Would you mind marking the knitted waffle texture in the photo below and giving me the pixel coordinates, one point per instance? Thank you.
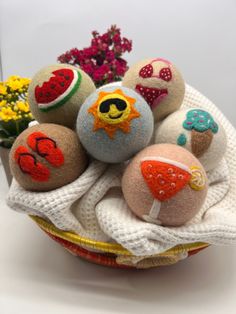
(94, 207)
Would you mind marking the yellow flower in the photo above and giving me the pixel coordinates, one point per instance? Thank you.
(3, 89)
(22, 106)
(14, 84)
(25, 81)
(7, 114)
(3, 103)
(13, 78)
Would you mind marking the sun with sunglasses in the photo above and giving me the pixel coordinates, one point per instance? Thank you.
(112, 111)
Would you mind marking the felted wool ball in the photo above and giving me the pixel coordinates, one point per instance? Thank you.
(165, 184)
(114, 123)
(160, 84)
(197, 131)
(47, 156)
(56, 93)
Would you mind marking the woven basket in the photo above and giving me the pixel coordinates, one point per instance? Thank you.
(113, 254)
(215, 231)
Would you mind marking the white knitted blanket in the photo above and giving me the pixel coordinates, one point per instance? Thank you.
(94, 207)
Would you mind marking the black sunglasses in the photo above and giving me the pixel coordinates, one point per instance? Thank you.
(105, 105)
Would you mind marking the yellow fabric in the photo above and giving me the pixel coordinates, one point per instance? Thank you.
(149, 262)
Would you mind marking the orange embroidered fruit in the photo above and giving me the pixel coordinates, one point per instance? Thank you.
(164, 177)
(165, 184)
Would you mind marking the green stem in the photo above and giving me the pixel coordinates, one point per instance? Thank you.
(17, 128)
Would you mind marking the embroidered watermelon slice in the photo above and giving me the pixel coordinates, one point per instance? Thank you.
(164, 177)
(58, 89)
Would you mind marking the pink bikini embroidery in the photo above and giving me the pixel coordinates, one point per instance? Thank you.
(152, 95)
(164, 74)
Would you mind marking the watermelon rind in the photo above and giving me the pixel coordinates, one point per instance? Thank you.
(63, 98)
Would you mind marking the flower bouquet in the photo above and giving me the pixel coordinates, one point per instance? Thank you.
(15, 114)
(102, 60)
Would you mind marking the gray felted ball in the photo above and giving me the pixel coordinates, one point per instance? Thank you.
(196, 130)
(56, 93)
(159, 82)
(114, 123)
(47, 156)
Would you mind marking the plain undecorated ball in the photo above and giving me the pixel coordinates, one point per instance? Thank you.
(47, 156)
(56, 93)
(159, 82)
(196, 130)
(165, 184)
(114, 123)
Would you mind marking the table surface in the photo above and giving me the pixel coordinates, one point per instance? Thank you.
(36, 274)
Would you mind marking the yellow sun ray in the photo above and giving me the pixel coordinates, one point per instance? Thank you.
(114, 118)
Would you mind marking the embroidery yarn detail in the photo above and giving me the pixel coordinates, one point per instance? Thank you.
(198, 180)
(46, 148)
(164, 177)
(200, 121)
(182, 139)
(113, 111)
(202, 127)
(29, 165)
(58, 89)
(153, 96)
(164, 74)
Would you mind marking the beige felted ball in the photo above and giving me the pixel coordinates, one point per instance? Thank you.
(47, 156)
(197, 131)
(165, 184)
(56, 93)
(159, 82)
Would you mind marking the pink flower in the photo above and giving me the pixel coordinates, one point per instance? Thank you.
(118, 50)
(102, 60)
(117, 38)
(95, 33)
(104, 47)
(105, 38)
(87, 52)
(126, 45)
(98, 75)
(105, 68)
(110, 56)
(110, 77)
(88, 68)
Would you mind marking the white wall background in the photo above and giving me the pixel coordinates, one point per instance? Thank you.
(36, 276)
(197, 35)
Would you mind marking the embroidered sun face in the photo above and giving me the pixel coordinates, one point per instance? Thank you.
(112, 111)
